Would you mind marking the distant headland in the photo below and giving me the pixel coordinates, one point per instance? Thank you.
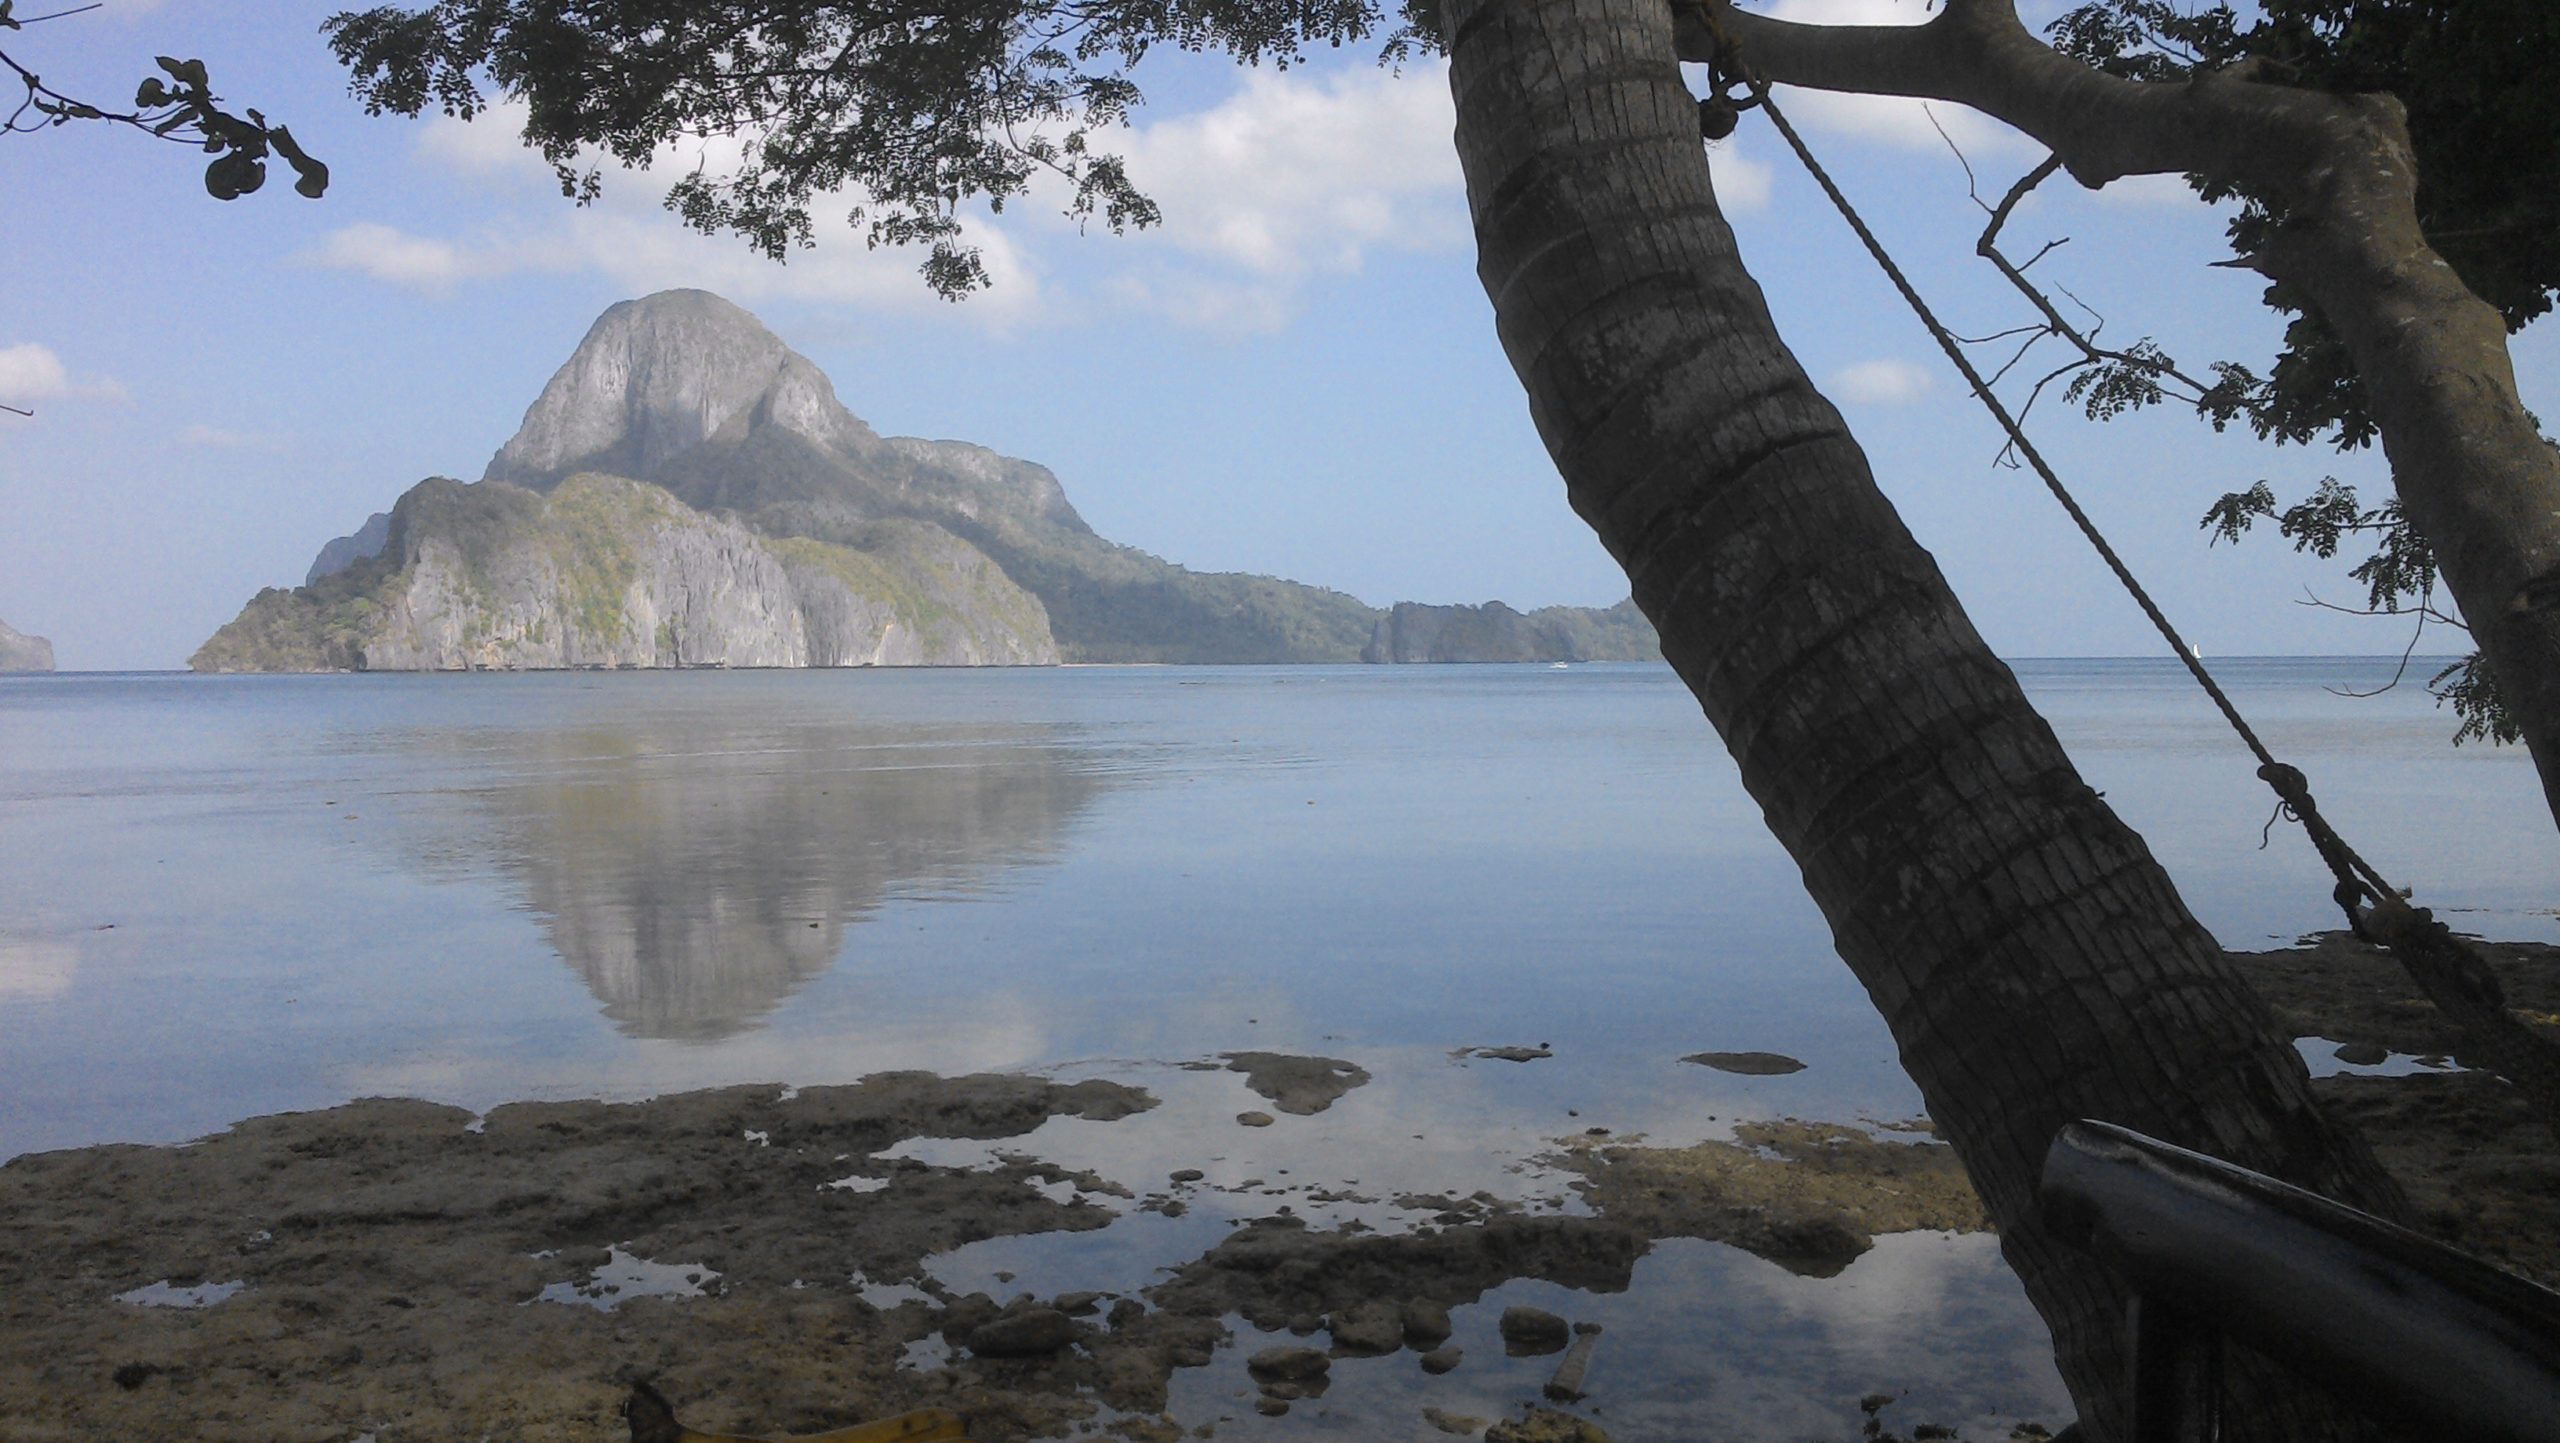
(688, 491)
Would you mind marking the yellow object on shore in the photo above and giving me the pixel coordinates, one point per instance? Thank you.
(653, 1420)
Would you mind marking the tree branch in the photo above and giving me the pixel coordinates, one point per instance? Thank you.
(2337, 177)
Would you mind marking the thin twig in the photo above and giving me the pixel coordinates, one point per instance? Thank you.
(2423, 607)
(2397, 672)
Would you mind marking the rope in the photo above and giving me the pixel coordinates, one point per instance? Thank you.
(2454, 975)
(2292, 789)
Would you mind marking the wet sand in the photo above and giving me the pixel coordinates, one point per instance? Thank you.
(404, 1270)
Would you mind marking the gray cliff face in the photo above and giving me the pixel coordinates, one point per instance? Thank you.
(698, 595)
(913, 594)
(664, 375)
(365, 543)
(691, 590)
(1414, 632)
(21, 652)
(1493, 632)
(686, 391)
(607, 572)
(990, 486)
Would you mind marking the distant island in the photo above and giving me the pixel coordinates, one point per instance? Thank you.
(688, 491)
(21, 652)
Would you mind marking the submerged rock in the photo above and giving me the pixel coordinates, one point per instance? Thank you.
(1289, 1365)
(1030, 1333)
(1807, 1196)
(1747, 1064)
(1546, 1425)
(1530, 1331)
(1300, 1085)
(1506, 1054)
(1376, 1327)
(1426, 1323)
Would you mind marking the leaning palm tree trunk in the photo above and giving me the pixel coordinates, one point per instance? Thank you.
(2033, 961)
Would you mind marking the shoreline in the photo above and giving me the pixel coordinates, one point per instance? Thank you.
(406, 1269)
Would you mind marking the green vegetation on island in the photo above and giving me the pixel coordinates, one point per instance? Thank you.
(609, 572)
(681, 416)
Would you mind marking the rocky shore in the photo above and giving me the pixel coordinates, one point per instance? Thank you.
(400, 1269)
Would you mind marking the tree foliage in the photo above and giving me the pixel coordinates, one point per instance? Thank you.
(2484, 122)
(912, 110)
(176, 105)
(907, 114)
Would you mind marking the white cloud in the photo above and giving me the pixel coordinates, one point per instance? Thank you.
(1292, 176)
(490, 145)
(1295, 176)
(1227, 308)
(416, 262)
(1296, 173)
(1889, 119)
(629, 237)
(1741, 182)
(1880, 383)
(30, 372)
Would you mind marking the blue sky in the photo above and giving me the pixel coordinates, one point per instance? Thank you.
(1296, 374)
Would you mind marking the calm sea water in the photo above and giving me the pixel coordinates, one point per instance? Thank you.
(221, 897)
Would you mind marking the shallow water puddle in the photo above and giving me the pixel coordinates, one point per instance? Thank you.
(2327, 1058)
(885, 1296)
(623, 1277)
(162, 1295)
(1706, 1341)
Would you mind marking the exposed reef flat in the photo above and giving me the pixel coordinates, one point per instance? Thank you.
(2482, 1173)
(407, 1270)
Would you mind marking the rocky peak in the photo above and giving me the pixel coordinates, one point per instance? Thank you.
(364, 543)
(658, 377)
(21, 652)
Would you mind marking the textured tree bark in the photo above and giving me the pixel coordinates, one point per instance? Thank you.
(2474, 475)
(2033, 961)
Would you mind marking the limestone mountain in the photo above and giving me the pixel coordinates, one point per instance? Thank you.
(365, 541)
(758, 471)
(21, 652)
(609, 572)
(688, 391)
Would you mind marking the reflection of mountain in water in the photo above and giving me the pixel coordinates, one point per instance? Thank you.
(695, 876)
